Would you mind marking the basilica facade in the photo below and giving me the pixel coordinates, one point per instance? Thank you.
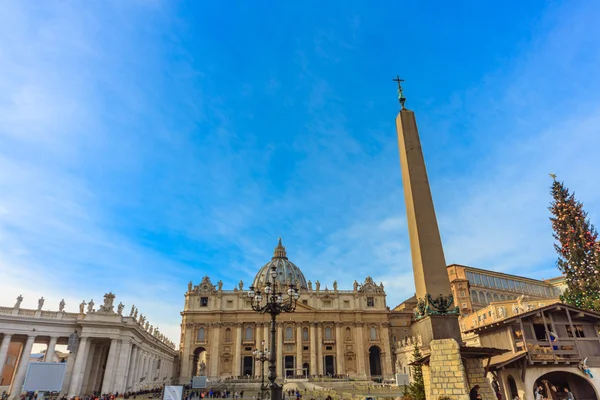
(333, 332)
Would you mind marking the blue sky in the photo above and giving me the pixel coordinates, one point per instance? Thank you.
(144, 144)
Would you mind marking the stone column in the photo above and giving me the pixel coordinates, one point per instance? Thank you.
(298, 348)
(122, 370)
(4, 350)
(96, 369)
(50, 351)
(313, 348)
(92, 347)
(138, 370)
(339, 350)
(132, 368)
(110, 366)
(19, 378)
(360, 350)
(320, 349)
(280, 350)
(215, 354)
(186, 362)
(68, 373)
(387, 358)
(237, 360)
(79, 367)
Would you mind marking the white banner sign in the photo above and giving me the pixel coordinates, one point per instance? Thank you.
(173, 393)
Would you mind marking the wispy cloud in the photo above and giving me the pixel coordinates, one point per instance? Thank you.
(141, 147)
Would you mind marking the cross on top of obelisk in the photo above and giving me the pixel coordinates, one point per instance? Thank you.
(401, 97)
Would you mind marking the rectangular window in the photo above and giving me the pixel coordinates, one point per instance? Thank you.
(504, 284)
(511, 284)
(498, 283)
(305, 348)
(305, 302)
(247, 348)
(229, 303)
(370, 302)
(484, 281)
(470, 276)
(328, 347)
(477, 279)
(326, 303)
(346, 304)
(464, 305)
(203, 301)
(463, 294)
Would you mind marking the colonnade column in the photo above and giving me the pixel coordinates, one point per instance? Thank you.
(19, 379)
(122, 370)
(313, 349)
(78, 368)
(360, 356)
(110, 367)
(92, 347)
(4, 350)
(138, 370)
(320, 349)
(50, 351)
(339, 350)
(279, 350)
(96, 370)
(132, 367)
(298, 349)
(237, 361)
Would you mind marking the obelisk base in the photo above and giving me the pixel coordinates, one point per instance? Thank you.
(434, 327)
(448, 374)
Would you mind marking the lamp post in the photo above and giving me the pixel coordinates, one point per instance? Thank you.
(262, 355)
(274, 304)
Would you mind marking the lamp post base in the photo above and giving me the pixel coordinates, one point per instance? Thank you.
(276, 392)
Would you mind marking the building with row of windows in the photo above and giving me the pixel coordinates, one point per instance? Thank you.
(475, 288)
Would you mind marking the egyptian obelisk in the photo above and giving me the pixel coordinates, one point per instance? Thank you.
(428, 262)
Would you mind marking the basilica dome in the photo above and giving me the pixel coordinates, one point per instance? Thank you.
(287, 272)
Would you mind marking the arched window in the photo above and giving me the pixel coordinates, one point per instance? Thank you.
(289, 333)
(305, 334)
(502, 297)
(496, 297)
(482, 298)
(328, 333)
(228, 334)
(201, 335)
(348, 334)
(249, 333)
(474, 296)
(373, 333)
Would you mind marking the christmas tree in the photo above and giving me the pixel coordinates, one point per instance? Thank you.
(577, 247)
(416, 389)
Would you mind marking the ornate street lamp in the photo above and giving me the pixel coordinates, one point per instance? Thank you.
(262, 355)
(274, 304)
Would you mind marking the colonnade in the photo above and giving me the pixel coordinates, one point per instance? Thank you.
(130, 366)
(99, 364)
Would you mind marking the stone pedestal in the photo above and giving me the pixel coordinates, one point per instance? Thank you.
(448, 374)
(434, 327)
